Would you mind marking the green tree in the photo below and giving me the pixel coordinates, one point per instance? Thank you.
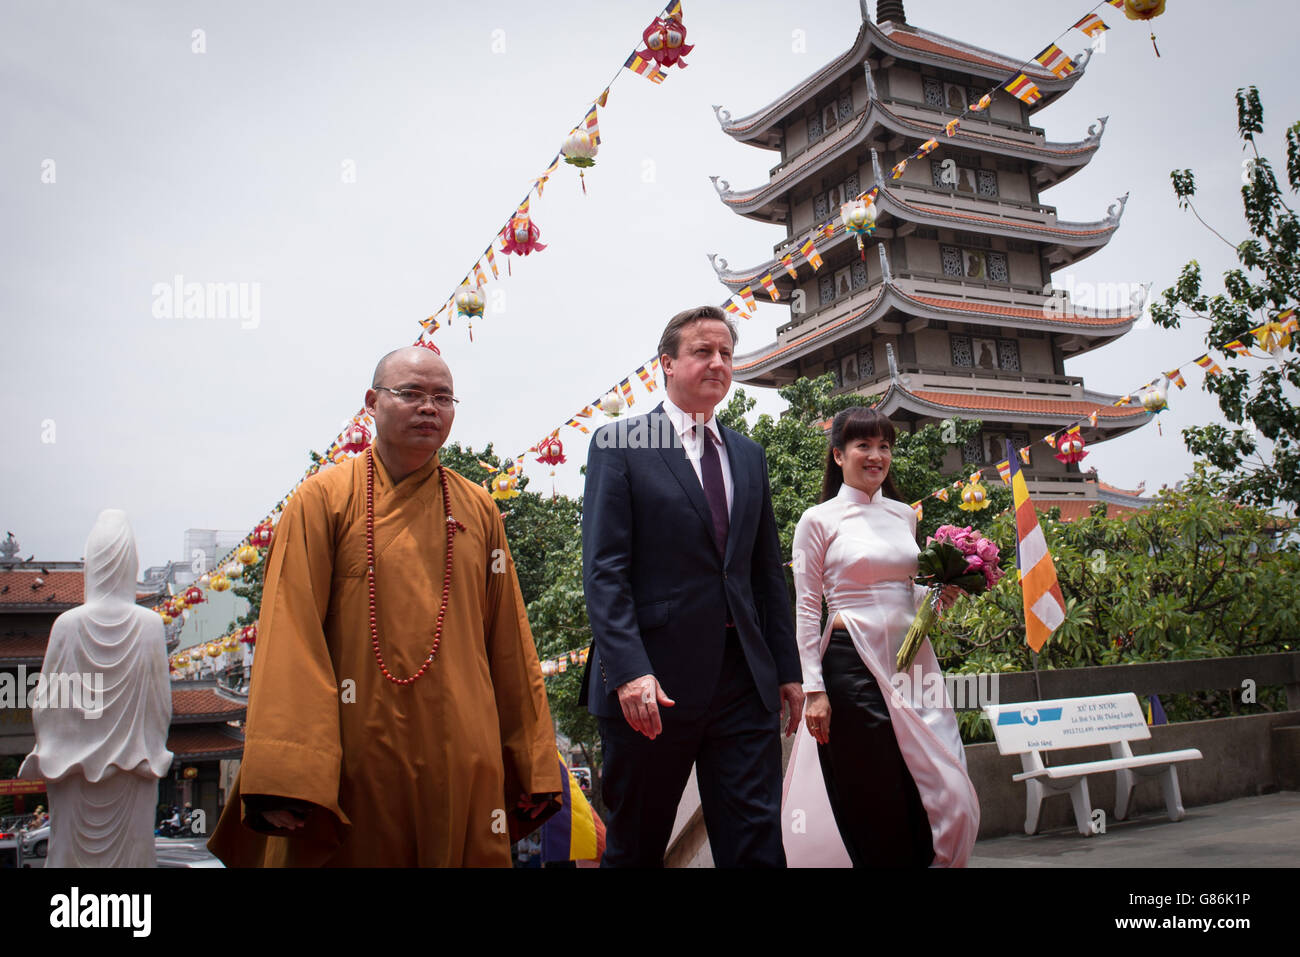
(1267, 281)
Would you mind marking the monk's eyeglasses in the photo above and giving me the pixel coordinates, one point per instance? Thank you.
(417, 398)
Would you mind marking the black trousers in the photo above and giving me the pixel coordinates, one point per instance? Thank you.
(875, 802)
(735, 746)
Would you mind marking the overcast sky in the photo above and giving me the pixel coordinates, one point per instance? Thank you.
(228, 166)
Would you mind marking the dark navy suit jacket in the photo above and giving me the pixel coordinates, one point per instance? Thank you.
(658, 592)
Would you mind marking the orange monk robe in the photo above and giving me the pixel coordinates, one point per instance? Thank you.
(426, 774)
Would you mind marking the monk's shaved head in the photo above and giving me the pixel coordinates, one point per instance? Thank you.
(418, 355)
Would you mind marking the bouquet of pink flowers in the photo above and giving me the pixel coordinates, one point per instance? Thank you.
(952, 556)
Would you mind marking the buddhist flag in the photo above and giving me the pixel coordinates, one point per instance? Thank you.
(1056, 60)
(646, 68)
(1024, 455)
(1124, 400)
(1044, 606)
(626, 386)
(1022, 88)
(809, 252)
(1176, 377)
(983, 103)
(1209, 365)
(951, 127)
(1092, 418)
(1288, 320)
(480, 278)
(1004, 471)
(788, 262)
(942, 494)
(646, 378)
(920, 512)
(576, 833)
(1091, 25)
(579, 426)
(492, 263)
(770, 286)
(929, 146)
(1238, 347)
(654, 367)
(733, 306)
(898, 169)
(1117, 4)
(1050, 439)
(540, 182)
(603, 98)
(828, 228)
(592, 124)
(747, 294)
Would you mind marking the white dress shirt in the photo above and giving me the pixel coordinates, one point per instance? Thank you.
(684, 423)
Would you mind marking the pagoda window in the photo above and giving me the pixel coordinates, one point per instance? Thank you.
(960, 178)
(997, 266)
(815, 129)
(961, 354)
(972, 453)
(933, 92)
(833, 367)
(866, 362)
(846, 105)
(826, 289)
(859, 269)
(988, 266)
(821, 207)
(850, 187)
(952, 261)
(987, 181)
(1009, 355)
(993, 445)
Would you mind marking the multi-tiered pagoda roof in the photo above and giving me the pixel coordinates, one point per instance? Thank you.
(954, 313)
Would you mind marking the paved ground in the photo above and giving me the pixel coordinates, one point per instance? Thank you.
(1248, 832)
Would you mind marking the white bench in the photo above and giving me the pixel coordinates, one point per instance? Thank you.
(1030, 728)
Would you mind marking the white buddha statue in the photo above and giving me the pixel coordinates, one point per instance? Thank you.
(101, 725)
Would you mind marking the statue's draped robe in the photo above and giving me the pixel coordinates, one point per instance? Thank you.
(101, 759)
(425, 774)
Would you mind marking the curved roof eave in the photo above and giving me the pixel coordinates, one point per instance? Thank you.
(898, 397)
(1068, 157)
(754, 364)
(914, 45)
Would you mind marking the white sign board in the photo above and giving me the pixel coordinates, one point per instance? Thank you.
(1067, 723)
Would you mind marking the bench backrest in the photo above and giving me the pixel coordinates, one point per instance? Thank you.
(1067, 723)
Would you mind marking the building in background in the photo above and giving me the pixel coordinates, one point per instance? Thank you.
(952, 314)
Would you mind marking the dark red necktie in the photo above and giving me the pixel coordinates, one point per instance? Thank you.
(714, 488)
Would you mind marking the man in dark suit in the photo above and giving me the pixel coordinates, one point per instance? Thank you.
(693, 651)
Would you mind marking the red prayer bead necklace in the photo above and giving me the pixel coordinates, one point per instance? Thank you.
(452, 524)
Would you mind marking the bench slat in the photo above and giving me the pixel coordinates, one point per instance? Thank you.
(1111, 764)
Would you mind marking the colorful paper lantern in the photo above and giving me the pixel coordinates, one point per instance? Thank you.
(504, 486)
(247, 555)
(611, 404)
(355, 438)
(521, 236)
(1071, 448)
(193, 595)
(974, 497)
(469, 303)
(219, 583)
(550, 451)
(261, 536)
(248, 634)
(580, 150)
(859, 218)
(1154, 400)
(1143, 9)
(665, 42)
(1273, 337)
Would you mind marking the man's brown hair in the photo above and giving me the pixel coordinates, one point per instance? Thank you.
(671, 339)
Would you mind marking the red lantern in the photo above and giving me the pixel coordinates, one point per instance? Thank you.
(261, 536)
(193, 595)
(356, 438)
(248, 634)
(665, 41)
(550, 451)
(1071, 448)
(520, 236)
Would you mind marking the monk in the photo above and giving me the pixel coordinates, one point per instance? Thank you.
(397, 714)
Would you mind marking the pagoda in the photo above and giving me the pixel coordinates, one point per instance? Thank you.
(952, 315)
